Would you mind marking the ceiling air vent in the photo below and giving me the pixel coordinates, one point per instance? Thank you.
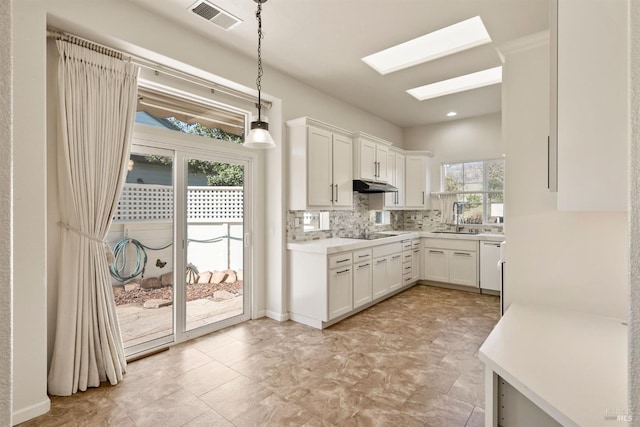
(215, 14)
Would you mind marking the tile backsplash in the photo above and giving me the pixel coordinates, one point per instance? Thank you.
(359, 222)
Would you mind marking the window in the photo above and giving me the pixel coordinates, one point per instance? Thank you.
(194, 116)
(479, 186)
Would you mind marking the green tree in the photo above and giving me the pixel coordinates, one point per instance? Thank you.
(218, 174)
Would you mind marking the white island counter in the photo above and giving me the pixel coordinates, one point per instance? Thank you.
(573, 366)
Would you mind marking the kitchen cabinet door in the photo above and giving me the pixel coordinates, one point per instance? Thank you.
(463, 268)
(394, 272)
(382, 157)
(319, 146)
(380, 285)
(368, 166)
(589, 105)
(396, 168)
(340, 292)
(436, 265)
(415, 264)
(362, 292)
(342, 160)
(415, 194)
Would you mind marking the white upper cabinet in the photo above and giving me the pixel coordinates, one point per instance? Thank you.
(396, 168)
(416, 193)
(589, 104)
(370, 155)
(320, 166)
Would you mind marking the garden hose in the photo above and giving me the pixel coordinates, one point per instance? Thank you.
(120, 256)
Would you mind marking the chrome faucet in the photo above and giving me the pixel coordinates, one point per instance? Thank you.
(456, 214)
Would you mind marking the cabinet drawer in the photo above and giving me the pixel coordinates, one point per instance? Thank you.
(340, 260)
(406, 256)
(406, 278)
(362, 255)
(406, 268)
(415, 243)
(406, 244)
(453, 244)
(388, 249)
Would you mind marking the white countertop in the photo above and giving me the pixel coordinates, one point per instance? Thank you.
(571, 365)
(341, 244)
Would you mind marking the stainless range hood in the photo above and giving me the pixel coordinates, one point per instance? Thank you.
(364, 186)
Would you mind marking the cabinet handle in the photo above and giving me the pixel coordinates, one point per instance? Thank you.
(343, 271)
(342, 260)
(363, 256)
(435, 252)
(408, 268)
(462, 253)
(336, 193)
(416, 251)
(381, 261)
(396, 257)
(331, 189)
(364, 265)
(497, 245)
(548, 162)
(423, 197)
(407, 279)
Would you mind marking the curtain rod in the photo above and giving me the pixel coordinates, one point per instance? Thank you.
(154, 66)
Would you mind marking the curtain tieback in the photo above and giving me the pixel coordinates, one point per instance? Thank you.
(107, 249)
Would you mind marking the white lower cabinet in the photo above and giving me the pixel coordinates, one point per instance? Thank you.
(340, 291)
(436, 264)
(362, 290)
(379, 282)
(394, 272)
(451, 261)
(324, 288)
(415, 260)
(387, 268)
(463, 268)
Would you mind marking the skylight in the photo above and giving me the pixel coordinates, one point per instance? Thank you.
(445, 41)
(458, 84)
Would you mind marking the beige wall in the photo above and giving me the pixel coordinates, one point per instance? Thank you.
(634, 232)
(5, 212)
(476, 138)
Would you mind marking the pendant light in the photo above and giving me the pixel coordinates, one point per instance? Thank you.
(259, 136)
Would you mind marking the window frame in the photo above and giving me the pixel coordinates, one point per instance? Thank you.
(485, 186)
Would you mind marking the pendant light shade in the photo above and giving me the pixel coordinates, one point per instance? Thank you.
(259, 136)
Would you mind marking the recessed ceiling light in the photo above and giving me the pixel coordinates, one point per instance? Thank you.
(446, 41)
(458, 84)
(452, 114)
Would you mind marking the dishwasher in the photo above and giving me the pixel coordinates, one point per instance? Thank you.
(490, 272)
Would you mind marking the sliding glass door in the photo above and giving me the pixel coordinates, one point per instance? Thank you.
(178, 236)
(142, 239)
(214, 293)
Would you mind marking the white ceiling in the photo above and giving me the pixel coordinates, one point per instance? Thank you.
(320, 42)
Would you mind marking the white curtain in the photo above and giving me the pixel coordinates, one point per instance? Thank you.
(97, 103)
(446, 208)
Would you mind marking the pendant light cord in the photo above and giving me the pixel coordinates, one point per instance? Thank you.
(260, 71)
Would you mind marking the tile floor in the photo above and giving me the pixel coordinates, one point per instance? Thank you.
(408, 361)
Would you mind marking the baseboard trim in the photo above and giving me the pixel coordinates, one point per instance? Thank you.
(25, 414)
(280, 317)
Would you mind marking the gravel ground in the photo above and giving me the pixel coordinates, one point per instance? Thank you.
(194, 292)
